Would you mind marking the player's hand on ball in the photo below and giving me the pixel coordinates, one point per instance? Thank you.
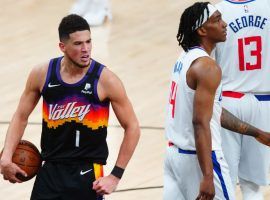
(10, 171)
(105, 185)
(264, 138)
(26, 161)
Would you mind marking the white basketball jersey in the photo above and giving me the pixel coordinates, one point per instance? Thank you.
(179, 127)
(245, 56)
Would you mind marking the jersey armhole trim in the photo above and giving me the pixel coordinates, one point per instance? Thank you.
(105, 102)
(187, 86)
(48, 75)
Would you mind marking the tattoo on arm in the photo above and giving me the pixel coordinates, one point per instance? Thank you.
(232, 123)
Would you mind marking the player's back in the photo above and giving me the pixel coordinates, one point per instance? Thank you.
(244, 56)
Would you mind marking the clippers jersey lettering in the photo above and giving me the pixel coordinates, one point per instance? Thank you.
(179, 128)
(244, 56)
(74, 120)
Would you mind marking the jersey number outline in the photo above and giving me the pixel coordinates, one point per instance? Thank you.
(243, 65)
(173, 96)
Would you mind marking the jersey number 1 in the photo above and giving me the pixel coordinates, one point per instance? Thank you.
(242, 42)
(77, 140)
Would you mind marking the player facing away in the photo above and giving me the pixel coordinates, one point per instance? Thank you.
(244, 60)
(77, 92)
(195, 167)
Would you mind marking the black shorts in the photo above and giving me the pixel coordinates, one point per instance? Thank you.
(59, 181)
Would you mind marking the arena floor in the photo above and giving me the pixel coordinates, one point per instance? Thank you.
(139, 45)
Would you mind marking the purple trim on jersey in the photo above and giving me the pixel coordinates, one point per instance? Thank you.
(47, 76)
(239, 2)
(73, 84)
(218, 171)
(91, 66)
(96, 82)
(100, 70)
(100, 198)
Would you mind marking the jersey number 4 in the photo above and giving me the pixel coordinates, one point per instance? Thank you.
(255, 53)
(173, 96)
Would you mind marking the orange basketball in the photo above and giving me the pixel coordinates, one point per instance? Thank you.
(28, 158)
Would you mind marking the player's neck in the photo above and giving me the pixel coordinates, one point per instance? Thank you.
(208, 46)
(70, 67)
(72, 73)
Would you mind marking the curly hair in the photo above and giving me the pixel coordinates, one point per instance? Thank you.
(192, 17)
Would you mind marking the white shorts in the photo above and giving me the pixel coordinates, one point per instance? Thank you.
(182, 175)
(246, 157)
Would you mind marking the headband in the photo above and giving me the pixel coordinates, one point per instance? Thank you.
(212, 9)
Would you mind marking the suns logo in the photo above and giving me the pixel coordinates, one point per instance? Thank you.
(87, 86)
(86, 89)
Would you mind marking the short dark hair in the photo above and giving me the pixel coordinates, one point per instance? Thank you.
(192, 17)
(70, 24)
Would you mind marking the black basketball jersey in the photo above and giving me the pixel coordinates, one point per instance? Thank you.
(74, 119)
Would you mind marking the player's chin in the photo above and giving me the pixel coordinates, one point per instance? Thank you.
(83, 64)
(223, 38)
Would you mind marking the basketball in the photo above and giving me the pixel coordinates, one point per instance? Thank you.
(28, 158)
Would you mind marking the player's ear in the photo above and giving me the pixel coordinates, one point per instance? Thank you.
(62, 46)
(201, 31)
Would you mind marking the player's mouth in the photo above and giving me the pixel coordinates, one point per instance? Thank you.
(85, 58)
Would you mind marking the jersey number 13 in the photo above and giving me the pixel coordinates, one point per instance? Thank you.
(243, 43)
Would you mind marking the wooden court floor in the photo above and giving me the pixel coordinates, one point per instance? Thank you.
(139, 45)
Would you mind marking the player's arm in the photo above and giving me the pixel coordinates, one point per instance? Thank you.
(27, 103)
(111, 87)
(232, 123)
(204, 77)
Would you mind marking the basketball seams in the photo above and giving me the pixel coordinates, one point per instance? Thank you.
(29, 144)
(32, 166)
(28, 158)
(31, 157)
(35, 156)
(29, 150)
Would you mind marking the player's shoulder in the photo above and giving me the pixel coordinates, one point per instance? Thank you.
(199, 57)
(38, 74)
(109, 78)
(110, 86)
(41, 69)
(205, 62)
(195, 53)
(205, 67)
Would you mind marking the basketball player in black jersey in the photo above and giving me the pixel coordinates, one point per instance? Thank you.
(77, 92)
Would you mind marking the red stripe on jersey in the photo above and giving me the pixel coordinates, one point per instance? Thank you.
(232, 94)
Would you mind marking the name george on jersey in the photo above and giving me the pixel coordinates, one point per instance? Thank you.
(248, 21)
(71, 110)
